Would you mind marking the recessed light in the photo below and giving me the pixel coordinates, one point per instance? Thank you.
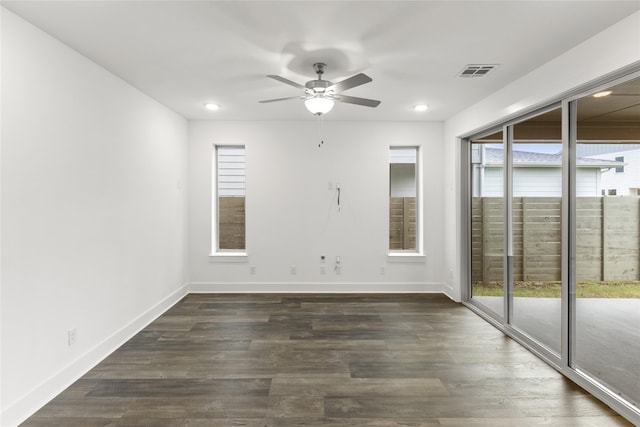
(601, 94)
(420, 108)
(211, 106)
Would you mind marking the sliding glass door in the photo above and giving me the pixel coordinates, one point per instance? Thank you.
(516, 197)
(607, 233)
(554, 236)
(537, 228)
(488, 223)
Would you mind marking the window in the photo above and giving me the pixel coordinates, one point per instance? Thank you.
(612, 192)
(229, 197)
(620, 169)
(403, 201)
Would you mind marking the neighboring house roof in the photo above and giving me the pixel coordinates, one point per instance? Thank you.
(495, 156)
(597, 149)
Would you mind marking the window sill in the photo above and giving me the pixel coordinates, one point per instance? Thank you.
(406, 257)
(229, 257)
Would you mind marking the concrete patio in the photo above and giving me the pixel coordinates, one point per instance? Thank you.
(607, 335)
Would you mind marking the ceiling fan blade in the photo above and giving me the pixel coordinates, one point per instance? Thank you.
(280, 99)
(286, 81)
(358, 101)
(353, 81)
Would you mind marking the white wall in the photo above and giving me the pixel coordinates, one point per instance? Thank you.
(293, 217)
(612, 49)
(93, 214)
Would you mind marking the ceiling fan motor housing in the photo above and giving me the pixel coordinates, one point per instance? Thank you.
(317, 86)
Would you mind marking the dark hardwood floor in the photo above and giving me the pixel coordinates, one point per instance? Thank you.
(300, 360)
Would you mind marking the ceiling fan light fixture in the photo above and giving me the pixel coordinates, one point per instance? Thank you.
(318, 105)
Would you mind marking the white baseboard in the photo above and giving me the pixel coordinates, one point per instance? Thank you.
(27, 405)
(314, 287)
(451, 293)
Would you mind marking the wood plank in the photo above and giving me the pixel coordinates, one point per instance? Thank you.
(360, 360)
(231, 222)
(542, 235)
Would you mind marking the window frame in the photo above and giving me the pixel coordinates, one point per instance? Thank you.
(216, 252)
(417, 254)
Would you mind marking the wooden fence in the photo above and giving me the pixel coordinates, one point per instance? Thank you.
(607, 238)
(402, 223)
(231, 223)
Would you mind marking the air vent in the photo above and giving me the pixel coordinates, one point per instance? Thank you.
(476, 70)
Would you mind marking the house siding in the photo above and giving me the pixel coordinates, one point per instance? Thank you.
(622, 182)
(538, 182)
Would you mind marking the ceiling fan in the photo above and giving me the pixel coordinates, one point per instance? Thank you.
(320, 95)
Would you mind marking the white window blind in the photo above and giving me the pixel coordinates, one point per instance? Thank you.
(231, 172)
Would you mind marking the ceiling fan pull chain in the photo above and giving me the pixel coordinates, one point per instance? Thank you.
(321, 131)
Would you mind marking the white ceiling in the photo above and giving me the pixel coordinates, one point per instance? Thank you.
(185, 53)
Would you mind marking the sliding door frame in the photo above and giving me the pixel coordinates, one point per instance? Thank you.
(562, 363)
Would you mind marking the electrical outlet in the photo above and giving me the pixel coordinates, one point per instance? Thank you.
(252, 269)
(72, 335)
(323, 269)
(382, 271)
(293, 269)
